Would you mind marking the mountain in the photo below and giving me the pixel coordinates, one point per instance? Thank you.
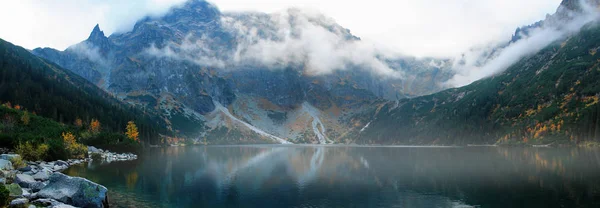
(248, 77)
(550, 97)
(299, 77)
(48, 90)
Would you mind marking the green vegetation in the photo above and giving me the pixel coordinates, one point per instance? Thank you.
(547, 98)
(17, 162)
(32, 152)
(45, 89)
(4, 196)
(49, 113)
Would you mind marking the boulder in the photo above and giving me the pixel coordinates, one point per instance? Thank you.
(93, 149)
(2, 181)
(75, 191)
(60, 162)
(9, 156)
(5, 165)
(25, 169)
(20, 202)
(26, 193)
(60, 167)
(42, 175)
(24, 180)
(14, 190)
(27, 181)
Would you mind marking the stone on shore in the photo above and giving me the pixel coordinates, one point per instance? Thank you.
(27, 181)
(5, 165)
(20, 202)
(9, 156)
(42, 175)
(75, 191)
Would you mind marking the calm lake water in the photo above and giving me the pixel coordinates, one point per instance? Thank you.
(343, 176)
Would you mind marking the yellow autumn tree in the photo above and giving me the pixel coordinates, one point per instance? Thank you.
(75, 149)
(68, 139)
(94, 126)
(132, 131)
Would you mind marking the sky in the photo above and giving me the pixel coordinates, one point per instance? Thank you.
(422, 28)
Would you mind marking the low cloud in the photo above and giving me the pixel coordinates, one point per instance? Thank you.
(484, 62)
(90, 52)
(293, 37)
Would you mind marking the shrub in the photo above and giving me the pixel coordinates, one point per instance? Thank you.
(32, 152)
(76, 150)
(4, 196)
(17, 162)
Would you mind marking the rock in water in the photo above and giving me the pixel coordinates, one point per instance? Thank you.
(75, 191)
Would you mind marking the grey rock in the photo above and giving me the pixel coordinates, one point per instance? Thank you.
(24, 180)
(46, 202)
(5, 165)
(19, 202)
(27, 181)
(75, 191)
(28, 173)
(60, 162)
(93, 149)
(42, 175)
(9, 175)
(31, 196)
(31, 206)
(25, 169)
(60, 167)
(9, 156)
(37, 186)
(26, 193)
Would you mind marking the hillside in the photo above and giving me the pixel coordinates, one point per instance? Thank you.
(550, 97)
(47, 90)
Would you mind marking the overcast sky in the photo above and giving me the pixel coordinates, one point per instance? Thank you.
(414, 27)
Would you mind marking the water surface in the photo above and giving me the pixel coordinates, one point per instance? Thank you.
(345, 176)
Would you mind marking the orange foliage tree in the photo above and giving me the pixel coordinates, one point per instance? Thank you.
(132, 131)
(94, 126)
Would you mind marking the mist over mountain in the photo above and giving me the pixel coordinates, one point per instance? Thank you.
(293, 76)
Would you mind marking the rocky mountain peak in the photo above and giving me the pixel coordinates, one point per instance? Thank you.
(97, 35)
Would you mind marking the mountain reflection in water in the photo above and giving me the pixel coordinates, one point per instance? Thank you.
(345, 176)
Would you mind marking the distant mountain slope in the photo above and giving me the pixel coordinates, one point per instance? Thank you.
(547, 98)
(48, 90)
(196, 58)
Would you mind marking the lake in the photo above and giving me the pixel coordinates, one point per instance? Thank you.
(351, 176)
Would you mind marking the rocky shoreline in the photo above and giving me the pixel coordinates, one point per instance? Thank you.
(41, 184)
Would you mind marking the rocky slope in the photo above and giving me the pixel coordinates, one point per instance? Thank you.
(550, 97)
(247, 77)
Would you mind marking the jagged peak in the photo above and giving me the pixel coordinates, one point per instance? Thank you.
(96, 33)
